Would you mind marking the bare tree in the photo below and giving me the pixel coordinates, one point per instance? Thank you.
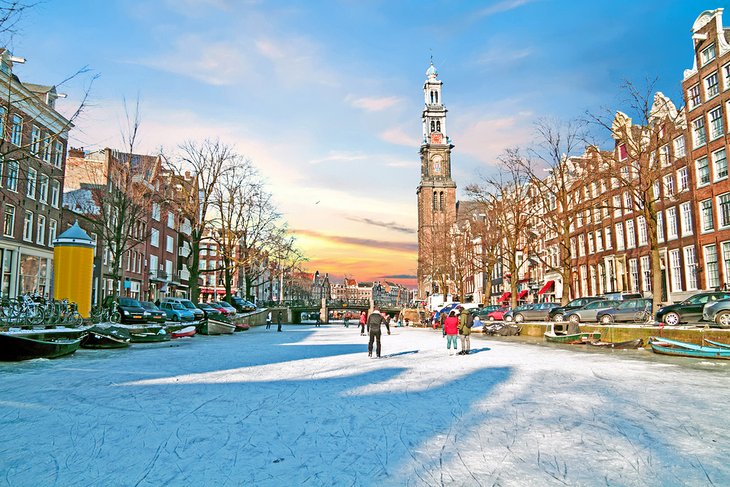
(435, 263)
(487, 245)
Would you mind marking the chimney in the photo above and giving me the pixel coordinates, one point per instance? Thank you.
(76, 152)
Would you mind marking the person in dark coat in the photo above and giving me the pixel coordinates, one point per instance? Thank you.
(278, 320)
(375, 320)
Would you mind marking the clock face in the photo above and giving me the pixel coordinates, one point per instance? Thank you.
(436, 138)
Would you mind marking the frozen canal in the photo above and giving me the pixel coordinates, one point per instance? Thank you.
(308, 407)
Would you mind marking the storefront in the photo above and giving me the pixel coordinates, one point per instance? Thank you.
(24, 270)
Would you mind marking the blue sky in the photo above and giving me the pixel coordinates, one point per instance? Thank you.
(326, 96)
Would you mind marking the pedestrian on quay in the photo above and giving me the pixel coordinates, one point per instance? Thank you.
(278, 320)
(347, 320)
(375, 320)
(318, 321)
(268, 320)
(466, 320)
(451, 329)
(363, 320)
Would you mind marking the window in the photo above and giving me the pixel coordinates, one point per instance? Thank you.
(706, 216)
(690, 268)
(664, 157)
(28, 226)
(9, 221)
(646, 273)
(619, 236)
(599, 240)
(693, 95)
(680, 149)
(712, 87)
(726, 76)
(583, 280)
(641, 224)
(685, 214)
(41, 235)
(58, 153)
(169, 243)
(617, 206)
(16, 136)
(628, 203)
(154, 264)
(606, 211)
(203, 264)
(2, 122)
(676, 269)
(156, 211)
(712, 275)
(723, 207)
(630, 234)
(55, 193)
(703, 171)
(668, 185)
(716, 125)
(623, 152)
(30, 183)
(35, 140)
(52, 226)
(671, 223)
(12, 178)
(155, 237)
(682, 179)
(591, 248)
(707, 54)
(634, 273)
(46, 148)
(43, 188)
(579, 219)
(170, 219)
(699, 135)
(726, 259)
(719, 161)
(581, 245)
(660, 226)
(609, 243)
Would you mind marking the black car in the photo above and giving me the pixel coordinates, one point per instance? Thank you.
(210, 311)
(154, 313)
(561, 313)
(631, 310)
(241, 304)
(688, 310)
(131, 311)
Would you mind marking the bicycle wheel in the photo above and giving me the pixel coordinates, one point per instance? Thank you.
(75, 319)
(97, 314)
(36, 316)
(115, 317)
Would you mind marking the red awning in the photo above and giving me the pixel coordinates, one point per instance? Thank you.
(546, 287)
(210, 290)
(522, 294)
(504, 297)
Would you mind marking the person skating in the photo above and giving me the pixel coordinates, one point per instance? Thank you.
(347, 320)
(466, 320)
(363, 320)
(278, 320)
(374, 321)
(268, 320)
(451, 329)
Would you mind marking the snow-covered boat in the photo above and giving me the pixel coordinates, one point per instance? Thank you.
(15, 347)
(106, 337)
(187, 331)
(666, 346)
(557, 333)
(149, 334)
(627, 344)
(215, 327)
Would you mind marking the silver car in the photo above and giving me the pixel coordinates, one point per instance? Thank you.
(588, 312)
(717, 312)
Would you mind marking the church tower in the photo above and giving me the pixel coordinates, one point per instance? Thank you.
(436, 191)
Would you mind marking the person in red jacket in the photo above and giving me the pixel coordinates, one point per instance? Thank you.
(363, 320)
(451, 329)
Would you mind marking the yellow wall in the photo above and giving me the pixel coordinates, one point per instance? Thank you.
(73, 268)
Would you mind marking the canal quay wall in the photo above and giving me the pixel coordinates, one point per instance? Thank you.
(620, 333)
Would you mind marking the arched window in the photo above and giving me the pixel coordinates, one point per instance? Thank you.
(432, 97)
(437, 97)
(433, 126)
(438, 126)
(441, 202)
(435, 201)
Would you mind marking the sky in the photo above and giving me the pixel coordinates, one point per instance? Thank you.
(325, 97)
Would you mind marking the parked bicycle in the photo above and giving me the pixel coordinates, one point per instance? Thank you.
(106, 313)
(63, 313)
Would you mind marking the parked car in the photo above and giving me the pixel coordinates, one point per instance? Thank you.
(187, 304)
(242, 305)
(131, 311)
(536, 312)
(622, 296)
(221, 309)
(497, 314)
(176, 311)
(630, 310)
(590, 311)
(560, 313)
(210, 311)
(509, 316)
(717, 313)
(227, 308)
(154, 313)
(690, 309)
(483, 311)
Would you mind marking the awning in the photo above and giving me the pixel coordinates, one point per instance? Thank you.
(504, 297)
(210, 290)
(546, 287)
(522, 294)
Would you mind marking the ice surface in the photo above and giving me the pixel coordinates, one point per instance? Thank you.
(308, 407)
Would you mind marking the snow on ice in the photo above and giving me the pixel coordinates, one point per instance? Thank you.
(308, 407)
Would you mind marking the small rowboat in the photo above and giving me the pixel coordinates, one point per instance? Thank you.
(150, 334)
(109, 337)
(638, 343)
(560, 336)
(242, 326)
(15, 347)
(188, 331)
(717, 344)
(665, 346)
(215, 327)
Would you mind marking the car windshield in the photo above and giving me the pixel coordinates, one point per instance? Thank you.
(177, 306)
(188, 304)
(225, 305)
(631, 303)
(148, 305)
(204, 306)
(598, 304)
(698, 299)
(129, 302)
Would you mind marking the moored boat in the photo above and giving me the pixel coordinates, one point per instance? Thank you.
(187, 331)
(15, 347)
(106, 337)
(149, 334)
(666, 346)
(242, 326)
(571, 335)
(638, 343)
(716, 344)
(215, 327)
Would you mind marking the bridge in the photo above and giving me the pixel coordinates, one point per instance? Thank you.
(324, 306)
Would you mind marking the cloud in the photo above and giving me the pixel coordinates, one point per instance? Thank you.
(502, 6)
(340, 157)
(374, 104)
(398, 136)
(486, 138)
(389, 225)
(360, 242)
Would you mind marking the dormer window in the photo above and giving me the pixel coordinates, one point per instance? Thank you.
(708, 54)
